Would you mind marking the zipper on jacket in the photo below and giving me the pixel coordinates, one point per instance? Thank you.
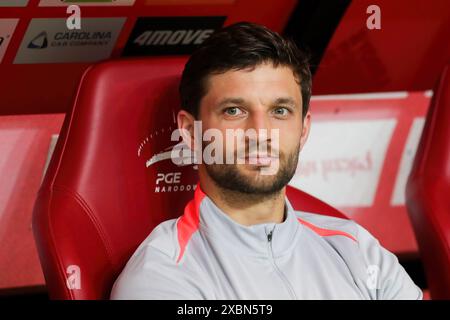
(283, 278)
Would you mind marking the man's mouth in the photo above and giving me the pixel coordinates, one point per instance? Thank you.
(260, 160)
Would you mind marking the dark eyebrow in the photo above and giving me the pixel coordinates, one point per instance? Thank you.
(282, 100)
(286, 100)
(231, 101)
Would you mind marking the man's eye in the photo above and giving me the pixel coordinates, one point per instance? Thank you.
(233, 111)
(281, 111)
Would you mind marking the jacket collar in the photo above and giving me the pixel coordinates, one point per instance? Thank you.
(250, 240)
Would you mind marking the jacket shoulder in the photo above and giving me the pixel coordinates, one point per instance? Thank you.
(329, 226)
(162, 238)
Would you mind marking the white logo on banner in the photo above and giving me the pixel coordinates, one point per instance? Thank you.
(342, 161)
(49, 40)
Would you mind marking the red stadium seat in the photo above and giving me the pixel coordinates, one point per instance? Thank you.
(109, 181)
(428, 192)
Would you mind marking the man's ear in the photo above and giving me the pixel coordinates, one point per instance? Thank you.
(305, 129)
(185, 122)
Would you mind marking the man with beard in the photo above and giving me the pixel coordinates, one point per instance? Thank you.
(239, 238)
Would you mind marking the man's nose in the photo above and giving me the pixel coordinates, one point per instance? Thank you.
(261, 137)
(258, 120)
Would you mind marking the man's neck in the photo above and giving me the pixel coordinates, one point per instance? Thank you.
(245, 209)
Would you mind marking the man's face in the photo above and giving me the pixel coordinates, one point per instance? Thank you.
(263, 98)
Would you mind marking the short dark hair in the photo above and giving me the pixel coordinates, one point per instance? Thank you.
(239, 46)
